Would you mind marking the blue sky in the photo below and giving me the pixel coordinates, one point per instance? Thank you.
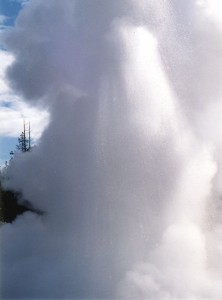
(13, 110)
(7, 144)
(10, 9)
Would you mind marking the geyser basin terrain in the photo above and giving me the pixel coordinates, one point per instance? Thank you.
(129, 169)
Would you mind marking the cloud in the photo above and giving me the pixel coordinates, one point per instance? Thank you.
(128, 170)
(3, 18)
(13, 110)
(23, 2)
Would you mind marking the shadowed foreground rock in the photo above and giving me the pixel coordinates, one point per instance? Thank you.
(10, 207)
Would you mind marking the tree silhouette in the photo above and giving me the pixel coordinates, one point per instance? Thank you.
(24, 143)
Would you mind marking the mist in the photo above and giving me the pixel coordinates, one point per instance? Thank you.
(128, 171)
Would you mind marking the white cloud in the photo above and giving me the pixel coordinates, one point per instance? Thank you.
(13, 110)
(3, 18)
(5, 60)
(114, 194)
(23, 2)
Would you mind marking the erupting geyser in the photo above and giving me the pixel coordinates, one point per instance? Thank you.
(128, 172)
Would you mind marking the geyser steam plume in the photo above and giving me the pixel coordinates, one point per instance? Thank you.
(128, 172)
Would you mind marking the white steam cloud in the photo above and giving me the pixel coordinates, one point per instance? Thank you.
(13, 110)
(128, 171)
